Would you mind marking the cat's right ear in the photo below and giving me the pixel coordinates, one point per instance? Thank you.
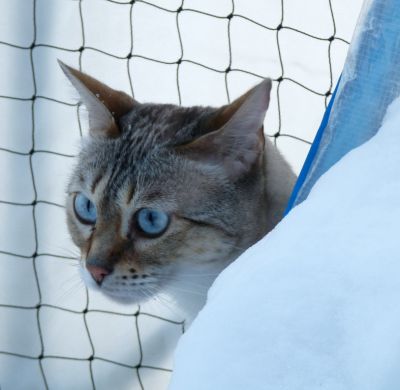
(236, 141)
(104, 104)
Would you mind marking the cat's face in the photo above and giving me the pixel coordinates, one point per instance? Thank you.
(162, 192)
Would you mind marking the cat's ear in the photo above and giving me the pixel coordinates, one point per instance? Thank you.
(104, 104)
(238, 141)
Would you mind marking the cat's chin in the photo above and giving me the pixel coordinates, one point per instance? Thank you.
(125, 298)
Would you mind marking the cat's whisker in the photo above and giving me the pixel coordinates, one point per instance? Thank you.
(148, 295)
(73, 278)
(70, 263)
(162, 299)
(194, 274)
(184, 290)
(77, 266)
(153, 290)
(73, 252)
(151, 294)
(67, 263)
(182, 281)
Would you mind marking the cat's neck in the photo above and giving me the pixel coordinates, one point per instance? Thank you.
(188, 294)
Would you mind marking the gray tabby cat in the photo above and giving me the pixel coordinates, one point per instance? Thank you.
(164, 197)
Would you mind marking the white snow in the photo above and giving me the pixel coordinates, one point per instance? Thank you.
(316, 303)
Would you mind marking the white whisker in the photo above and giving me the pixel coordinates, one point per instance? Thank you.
(179, 289)
(183, 281)
(73, 252)
(160, 297)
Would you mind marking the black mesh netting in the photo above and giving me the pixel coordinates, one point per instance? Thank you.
(33, 324)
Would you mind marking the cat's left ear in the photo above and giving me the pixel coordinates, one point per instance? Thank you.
(238, 142)
(104, 104)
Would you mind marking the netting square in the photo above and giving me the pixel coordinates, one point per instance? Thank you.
(30, 368)
(18, 189)
(301, 16)
(17, 222)
(21, 10)
(16, 129)
(117, 339)
(64, 340)
(18, 273)
(47, 74)
(161, 87)
(16, 77)
(58, 23)
(57, 128)
(52, 234)
(20, 331)
(195, 80)
(59, 372)
(254, 48)
(121, 375)
(60, 284)
(196, 39)
(297, 49)
(161, 26)
(49, 165)
(108, 39)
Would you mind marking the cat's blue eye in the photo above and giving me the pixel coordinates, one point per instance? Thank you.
(85, 209)
(151, 223)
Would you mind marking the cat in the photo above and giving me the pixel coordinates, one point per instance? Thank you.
(164, 197)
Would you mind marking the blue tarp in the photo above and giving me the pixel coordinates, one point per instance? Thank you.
(369, 83)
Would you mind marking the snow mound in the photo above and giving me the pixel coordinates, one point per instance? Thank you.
(316, 303)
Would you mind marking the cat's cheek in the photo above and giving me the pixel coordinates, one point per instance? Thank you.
(79, 233)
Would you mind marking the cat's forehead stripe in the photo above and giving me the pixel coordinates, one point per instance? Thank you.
(146, 129)
(96, 181)
(131, 191)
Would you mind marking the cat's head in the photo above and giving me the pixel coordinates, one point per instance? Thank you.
(162, 192)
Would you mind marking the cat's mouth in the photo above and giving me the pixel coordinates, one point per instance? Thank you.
(125, 288)
(130, 291)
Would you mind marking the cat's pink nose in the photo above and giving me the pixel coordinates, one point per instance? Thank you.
(98, 273)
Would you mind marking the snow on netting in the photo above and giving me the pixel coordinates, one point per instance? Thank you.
(54, 334)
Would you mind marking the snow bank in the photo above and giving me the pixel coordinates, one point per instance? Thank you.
(316, 303)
